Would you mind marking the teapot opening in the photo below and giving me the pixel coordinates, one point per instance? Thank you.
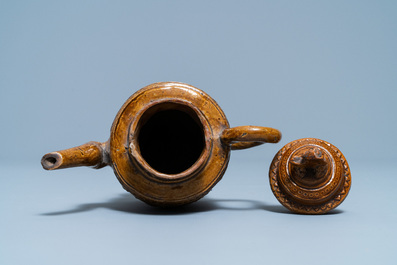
(51, 161)
(171, 137)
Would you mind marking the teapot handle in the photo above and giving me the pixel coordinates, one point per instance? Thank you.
(243, 137)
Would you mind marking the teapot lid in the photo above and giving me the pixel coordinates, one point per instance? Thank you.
(310, 176)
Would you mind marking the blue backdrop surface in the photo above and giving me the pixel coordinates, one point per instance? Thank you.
(311, 69)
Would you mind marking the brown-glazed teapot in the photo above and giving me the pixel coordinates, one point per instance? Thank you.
(169, 145)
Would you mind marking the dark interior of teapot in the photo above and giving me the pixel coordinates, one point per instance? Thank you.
(171, 138)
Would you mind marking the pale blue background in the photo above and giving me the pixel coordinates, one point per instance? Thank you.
(309, 68)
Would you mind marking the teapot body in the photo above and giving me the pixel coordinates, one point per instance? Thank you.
(165, 145)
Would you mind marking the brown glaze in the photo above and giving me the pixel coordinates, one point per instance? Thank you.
(169, 144)
(243, 137)
(310, 176)
(89, 154)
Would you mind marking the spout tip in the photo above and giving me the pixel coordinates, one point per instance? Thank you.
(51, 161)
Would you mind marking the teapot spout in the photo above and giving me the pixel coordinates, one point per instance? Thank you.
(91, 154)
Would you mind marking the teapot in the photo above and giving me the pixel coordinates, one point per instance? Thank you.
(169, 145)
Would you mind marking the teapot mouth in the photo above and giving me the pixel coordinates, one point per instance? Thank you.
(170, 139)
